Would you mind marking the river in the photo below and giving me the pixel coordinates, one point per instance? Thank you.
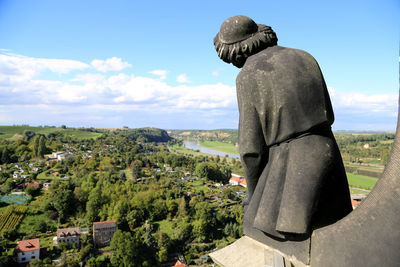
(195, 146)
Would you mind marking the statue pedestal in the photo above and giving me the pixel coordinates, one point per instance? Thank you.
(249, 252)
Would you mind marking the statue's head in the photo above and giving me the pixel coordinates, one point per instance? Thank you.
(240, 37)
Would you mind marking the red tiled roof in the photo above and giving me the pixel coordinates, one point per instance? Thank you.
(35, 184)
(235, 179)
(179, 264)
(112, 221)
(243, 182)
(28, 245)
(354, 203)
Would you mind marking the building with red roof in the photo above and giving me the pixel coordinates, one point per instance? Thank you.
(179, 264)
(238, 180)
(354, 203)
(27, 250)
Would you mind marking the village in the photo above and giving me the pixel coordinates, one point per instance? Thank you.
(61, 205)
(48, 219)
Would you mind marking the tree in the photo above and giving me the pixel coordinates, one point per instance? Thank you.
(41, 150)
(136, 168)
(6, 155)
(39, 146)
(182, 207)
(128, 249)
(106, 164)
(94, 204)
(7, 260)
(32, 190)
(209, 170)
(63, 201)
(69, 260)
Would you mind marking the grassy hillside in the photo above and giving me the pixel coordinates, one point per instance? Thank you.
(15, 132)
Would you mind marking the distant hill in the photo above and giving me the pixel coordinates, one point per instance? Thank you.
(222, 135)
(140, 134)
(148, 135)
(17, 131)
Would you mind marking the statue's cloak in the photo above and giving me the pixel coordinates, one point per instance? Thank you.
(294, 171)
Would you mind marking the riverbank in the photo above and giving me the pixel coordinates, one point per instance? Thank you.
(220, 146)
(194, 145)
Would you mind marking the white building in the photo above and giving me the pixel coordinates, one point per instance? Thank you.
(61, 155)
(67, 235)
(27, 250)
(238, 180)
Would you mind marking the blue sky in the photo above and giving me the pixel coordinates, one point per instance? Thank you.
(152, 63)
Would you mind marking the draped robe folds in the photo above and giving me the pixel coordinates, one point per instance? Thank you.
(294, 171)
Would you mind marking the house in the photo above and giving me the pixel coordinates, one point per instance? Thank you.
(238, 180)
(36, 169)
(46, 186)
(27, 250)
(16, 175)
(67, 235)
(178, 264)
(60, 155)
(103, 232)
(354, 203)
(34, 184)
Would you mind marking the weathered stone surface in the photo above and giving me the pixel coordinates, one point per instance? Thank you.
(249, 252)
(370, 235)
(244, 252)
(294, 171)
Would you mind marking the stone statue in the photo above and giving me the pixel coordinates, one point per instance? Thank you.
(294, 171)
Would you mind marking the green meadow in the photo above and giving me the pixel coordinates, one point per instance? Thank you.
(224, 147)
(361, 181)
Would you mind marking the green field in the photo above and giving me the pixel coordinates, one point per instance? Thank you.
(360, 181)
(224, 147)
(15, 132)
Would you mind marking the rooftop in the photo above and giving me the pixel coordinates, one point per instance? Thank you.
(28, 245)
(104, 224)
(67, 232)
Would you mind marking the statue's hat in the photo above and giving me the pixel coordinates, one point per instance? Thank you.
(236, 29)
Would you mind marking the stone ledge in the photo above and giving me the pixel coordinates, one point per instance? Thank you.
(249, 252)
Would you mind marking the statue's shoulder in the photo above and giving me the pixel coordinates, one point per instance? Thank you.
(278, 53)
(276, 56)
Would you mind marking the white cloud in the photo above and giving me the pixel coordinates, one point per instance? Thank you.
(351, 102)
(110, 64)
(182, 78)
(215, 73)
(161, 73)
(17, 68)
(122, 96)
